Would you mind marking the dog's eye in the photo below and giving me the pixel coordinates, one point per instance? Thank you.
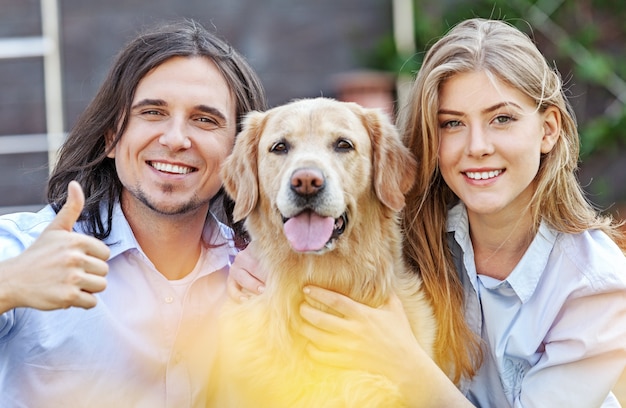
(279, 147)
(344, 145)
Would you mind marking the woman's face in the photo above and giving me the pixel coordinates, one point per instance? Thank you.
(491, 140)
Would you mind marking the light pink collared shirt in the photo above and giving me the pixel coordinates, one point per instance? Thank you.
(148, 343)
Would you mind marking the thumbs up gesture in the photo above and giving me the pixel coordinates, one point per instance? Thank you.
(60, 269)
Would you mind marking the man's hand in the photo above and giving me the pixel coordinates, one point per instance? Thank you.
(62, 268)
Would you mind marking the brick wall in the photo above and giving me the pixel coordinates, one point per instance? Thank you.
(295, 46)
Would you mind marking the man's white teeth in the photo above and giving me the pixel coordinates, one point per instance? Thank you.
(483, 175)
(171, 168)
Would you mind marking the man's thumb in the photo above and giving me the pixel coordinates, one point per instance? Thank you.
(69, 213)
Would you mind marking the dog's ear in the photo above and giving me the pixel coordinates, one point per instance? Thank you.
(239, 170)
(395, 167)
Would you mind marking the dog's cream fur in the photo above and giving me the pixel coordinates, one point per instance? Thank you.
(356, 156)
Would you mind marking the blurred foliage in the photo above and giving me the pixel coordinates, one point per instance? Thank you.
(585, 40)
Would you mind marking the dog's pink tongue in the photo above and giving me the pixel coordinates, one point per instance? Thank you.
(308, 231)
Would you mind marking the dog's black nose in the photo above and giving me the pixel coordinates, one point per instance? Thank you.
(307, 181)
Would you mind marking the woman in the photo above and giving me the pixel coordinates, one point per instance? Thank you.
(527, 280)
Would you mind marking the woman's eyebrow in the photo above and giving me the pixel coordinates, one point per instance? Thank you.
(501, 105)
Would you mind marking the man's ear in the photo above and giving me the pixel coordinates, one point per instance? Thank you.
(108, 141)
(551, 128)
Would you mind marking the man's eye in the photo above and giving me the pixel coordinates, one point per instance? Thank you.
(208, 120)
(151, 112)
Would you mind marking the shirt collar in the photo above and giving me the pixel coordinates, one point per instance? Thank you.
(122, 239)
(526, 274)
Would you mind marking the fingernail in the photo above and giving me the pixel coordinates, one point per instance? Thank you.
(261, 289)
(306, 290)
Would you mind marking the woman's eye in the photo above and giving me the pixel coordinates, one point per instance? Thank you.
(503, 119)
(451, 124)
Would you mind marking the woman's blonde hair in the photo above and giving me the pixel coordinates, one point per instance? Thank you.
(506, 53)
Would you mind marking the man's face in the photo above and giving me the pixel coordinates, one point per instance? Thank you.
(182, 125)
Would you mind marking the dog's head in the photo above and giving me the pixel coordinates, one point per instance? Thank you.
(305, 166)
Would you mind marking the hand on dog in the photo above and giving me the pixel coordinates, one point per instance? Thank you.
(357, 336)
(60, 269)
(246, 278)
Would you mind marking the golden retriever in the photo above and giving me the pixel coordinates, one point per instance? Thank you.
(320, 183)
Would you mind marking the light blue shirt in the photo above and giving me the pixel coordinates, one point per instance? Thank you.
(149, 342)
(555, 329)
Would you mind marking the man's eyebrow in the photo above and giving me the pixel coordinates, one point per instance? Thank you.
(160, 102)
(149, 102)
(211, 111)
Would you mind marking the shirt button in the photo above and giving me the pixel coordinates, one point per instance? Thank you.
(169, 299)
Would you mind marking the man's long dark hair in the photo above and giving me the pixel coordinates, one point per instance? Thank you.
(83, 156)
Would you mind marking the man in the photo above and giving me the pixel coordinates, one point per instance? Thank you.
(146, 153)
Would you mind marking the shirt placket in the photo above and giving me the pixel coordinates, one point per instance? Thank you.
(177, 381)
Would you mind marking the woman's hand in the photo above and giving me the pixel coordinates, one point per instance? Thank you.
(246, 277)
(378, 340)
(357, 336)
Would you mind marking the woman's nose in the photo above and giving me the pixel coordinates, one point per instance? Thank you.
(479, 143)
